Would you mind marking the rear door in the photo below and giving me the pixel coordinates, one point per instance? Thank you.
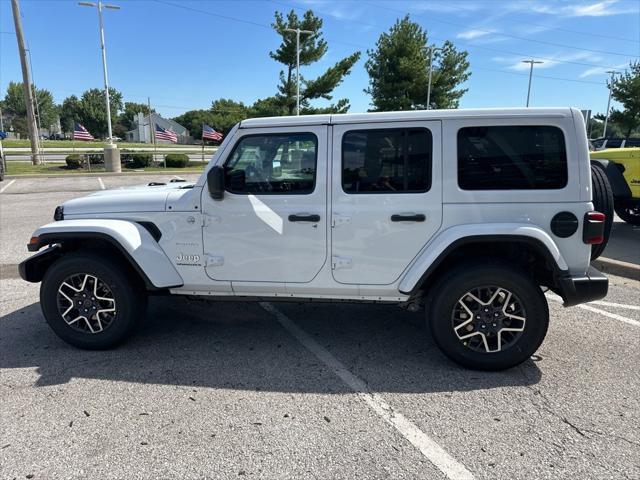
(386, 198)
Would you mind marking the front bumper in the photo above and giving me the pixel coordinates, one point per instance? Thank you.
(583, 288)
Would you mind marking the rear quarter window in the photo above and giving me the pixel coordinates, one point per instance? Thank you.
(520, 157)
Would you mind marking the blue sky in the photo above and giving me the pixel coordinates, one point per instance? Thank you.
(184, 54)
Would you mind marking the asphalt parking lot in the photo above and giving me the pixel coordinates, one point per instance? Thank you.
(286, 390)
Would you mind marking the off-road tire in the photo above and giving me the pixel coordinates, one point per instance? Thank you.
(603, 203)
(450, 289)
(124, 287)
(629, 213)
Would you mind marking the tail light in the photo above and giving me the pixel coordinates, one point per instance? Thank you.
(593, 233)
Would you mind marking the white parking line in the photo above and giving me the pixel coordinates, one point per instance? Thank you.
(7, 185)
(616, 305)
(444, 462)
(101, 183)
(630, 321)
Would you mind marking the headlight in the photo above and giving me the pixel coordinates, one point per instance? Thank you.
(59, 213)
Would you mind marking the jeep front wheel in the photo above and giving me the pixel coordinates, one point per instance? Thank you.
(91, 303)
(488, 317)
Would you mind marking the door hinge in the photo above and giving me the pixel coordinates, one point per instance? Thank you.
(213, 261)
(338, 220)
(340, 262)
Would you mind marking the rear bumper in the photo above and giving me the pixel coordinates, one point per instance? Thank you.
(583, 288)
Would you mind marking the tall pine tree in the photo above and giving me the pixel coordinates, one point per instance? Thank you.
(312, 48)
(398, 70)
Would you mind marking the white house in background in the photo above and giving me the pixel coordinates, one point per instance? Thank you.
(141, 132)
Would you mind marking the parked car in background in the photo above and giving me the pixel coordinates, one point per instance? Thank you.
(610, 142)
(622, 168)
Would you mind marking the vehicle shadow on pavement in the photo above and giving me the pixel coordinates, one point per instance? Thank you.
(236, 345)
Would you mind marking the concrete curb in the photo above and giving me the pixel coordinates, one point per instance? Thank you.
(618, 267)
(98, 174)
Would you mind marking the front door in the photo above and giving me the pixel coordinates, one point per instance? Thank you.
(271, 224)
(386, 198)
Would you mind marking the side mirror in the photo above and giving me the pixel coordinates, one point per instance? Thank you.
(215, 182)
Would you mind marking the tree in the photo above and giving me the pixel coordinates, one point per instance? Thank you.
(69, 113)
(131, 109)
(222, 116)
(14, 105)
(398, 70)
(626, 90)
(93, 114)
(312, 48)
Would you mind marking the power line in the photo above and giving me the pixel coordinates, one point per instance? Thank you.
(561, 29)
(205, 12)
(517, 37)
(464, 44)
(378, 26)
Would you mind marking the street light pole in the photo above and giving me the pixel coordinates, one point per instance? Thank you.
(297, 31)
(111, 152)
(431, 50)
(100, 6)
(606, 118)
(531, 62)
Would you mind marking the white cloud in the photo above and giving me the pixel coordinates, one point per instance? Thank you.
(473, 33)
(548, 60)
(590, 72)
(602, 8)
(570, 8)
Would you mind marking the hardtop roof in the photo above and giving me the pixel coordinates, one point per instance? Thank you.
(413, 115)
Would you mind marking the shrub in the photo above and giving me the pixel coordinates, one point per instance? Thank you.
(74, 161)
(95, 158)
(176, 160)
(137, 160)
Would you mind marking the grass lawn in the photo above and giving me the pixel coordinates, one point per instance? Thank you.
(96, 144)
(23, 168)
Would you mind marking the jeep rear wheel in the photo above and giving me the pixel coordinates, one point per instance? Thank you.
(488, 317)
(91, 303)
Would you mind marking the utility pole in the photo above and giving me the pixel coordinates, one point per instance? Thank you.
(531, 63)
(606, 118)
(35, 99)
(297, 31)
(111, 153)
(26, 82)
(431, 50)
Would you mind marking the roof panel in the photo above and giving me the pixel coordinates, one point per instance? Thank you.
(412, 115)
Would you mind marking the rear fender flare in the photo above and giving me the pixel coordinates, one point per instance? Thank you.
(133, 240)
(448, 240)
(619, 185)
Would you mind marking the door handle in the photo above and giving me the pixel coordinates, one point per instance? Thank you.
(304, 218)
(412, 217)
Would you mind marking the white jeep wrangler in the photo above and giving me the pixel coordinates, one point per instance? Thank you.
(469, 214)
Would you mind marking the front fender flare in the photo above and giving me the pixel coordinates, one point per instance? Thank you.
(133, 240)
(437, 250)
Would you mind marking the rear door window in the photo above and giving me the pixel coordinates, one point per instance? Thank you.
(520, 157)
(396, 160)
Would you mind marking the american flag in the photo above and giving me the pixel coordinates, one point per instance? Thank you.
(81, 133)
(210, 134)
(164, 134)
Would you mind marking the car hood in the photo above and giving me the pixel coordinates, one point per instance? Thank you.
(151, 197)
